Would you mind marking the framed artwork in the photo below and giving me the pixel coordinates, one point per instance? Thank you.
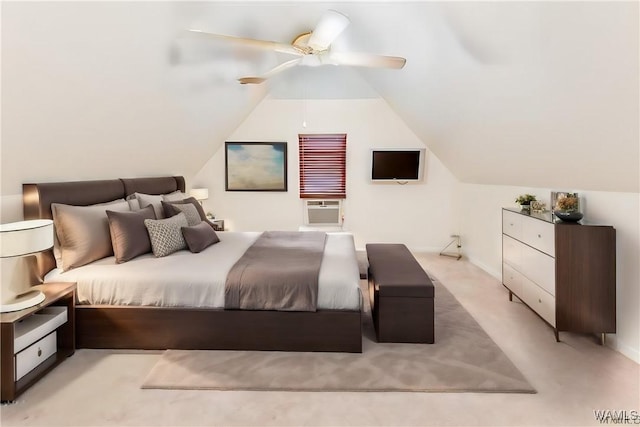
(255, 166)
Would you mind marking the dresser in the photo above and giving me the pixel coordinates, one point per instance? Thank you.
(565, 272)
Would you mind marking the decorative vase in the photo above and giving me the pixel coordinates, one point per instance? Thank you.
(568, 216)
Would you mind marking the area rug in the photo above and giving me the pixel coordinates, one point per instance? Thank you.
(463, 359)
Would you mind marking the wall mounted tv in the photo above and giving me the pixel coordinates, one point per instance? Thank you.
(397, 164)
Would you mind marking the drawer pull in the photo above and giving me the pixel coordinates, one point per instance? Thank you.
(539, 236)
(39, 352)
(539, 300)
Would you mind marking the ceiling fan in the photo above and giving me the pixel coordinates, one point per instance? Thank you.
(312, 49)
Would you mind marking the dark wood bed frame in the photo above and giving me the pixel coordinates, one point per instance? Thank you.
(132, 327)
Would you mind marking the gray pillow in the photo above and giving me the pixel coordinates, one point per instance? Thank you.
(170, 209)
(190, 212)
(199, 236)
(166, 235)
(129, 236)
(57, 251)
(134, 204)
(83, 232)
(151, 199)
(174, 197)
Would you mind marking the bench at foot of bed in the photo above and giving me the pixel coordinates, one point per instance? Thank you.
(401, 295)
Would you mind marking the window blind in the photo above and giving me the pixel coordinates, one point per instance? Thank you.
(323, 166)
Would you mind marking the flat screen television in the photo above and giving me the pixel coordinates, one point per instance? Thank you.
(397, 164)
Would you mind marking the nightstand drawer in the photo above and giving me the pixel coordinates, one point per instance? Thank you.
(35, 354)
(37, 326)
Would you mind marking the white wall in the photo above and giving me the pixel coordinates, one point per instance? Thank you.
(481, 227)
(89, 92)
(419, 215)
(501, 81)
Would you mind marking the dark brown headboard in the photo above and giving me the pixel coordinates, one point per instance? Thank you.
(37, 198)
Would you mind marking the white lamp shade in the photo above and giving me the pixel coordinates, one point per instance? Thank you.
(25, 237)
(199, 193)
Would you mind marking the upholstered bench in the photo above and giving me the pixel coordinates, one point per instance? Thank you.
(401, 295)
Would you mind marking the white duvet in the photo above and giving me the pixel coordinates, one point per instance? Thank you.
(185, 279)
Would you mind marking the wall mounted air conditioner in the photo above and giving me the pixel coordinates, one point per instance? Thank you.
(323, 212)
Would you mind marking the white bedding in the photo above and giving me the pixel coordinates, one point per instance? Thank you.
(185, 279)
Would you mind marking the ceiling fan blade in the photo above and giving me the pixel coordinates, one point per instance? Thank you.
(260, 44)
(251, 80)
(270, 73)
(328, 29)
(366, 60)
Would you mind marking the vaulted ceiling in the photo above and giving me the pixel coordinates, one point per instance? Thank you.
(520, 93)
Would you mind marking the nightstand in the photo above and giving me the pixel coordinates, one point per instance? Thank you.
(219, 224)
(37, 339)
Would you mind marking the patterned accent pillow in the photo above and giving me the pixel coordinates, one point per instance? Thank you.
(166, 234)
(190, 212)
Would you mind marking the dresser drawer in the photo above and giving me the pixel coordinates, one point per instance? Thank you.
(511, 279)
(35, 354)
(511, 251)
(512, 224)
(539, 267)
(539, 234)
(540, 301)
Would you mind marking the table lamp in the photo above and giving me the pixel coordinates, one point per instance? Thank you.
(199, 194)
(20, 239)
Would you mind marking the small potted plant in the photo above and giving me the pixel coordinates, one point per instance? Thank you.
(524, 200)
(568, 208)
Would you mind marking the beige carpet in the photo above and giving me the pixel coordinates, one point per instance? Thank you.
(463, 359)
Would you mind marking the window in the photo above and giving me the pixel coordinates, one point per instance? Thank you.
(323, 166)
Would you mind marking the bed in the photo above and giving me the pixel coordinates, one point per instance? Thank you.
(192, 317)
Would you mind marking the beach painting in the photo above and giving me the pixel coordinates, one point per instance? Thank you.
(256, 166)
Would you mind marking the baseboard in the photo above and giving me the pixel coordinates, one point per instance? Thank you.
(426, 249)
(628, 351)
(415, 249)
(495, 273)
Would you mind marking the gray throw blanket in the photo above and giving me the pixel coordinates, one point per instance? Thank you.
(278, 272)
